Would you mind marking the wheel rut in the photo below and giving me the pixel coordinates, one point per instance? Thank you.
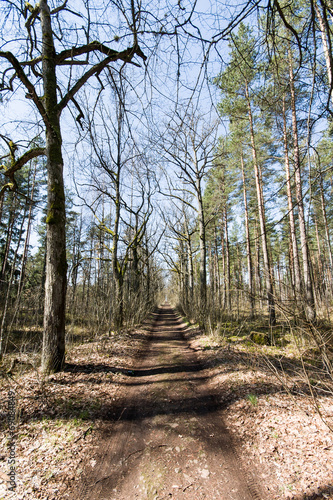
(166, 437)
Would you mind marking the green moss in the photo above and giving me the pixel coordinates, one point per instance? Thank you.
(236, 338)
(51, 217)
(58, 191)
(57, 207)
(260, 338)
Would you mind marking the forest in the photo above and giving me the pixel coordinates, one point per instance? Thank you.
(168, 152)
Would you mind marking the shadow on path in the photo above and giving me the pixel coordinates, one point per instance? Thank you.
(162, 423)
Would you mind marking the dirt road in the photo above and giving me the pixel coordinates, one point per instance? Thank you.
(165, 437)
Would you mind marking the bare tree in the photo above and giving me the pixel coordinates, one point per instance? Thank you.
(189, 147)
(119, 173)
(29, 68)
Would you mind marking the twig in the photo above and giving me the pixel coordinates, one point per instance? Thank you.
(142, 449)
(84, 434)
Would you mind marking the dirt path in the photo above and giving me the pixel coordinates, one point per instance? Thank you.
(166, 437)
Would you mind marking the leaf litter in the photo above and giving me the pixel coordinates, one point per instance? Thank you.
(276, 429)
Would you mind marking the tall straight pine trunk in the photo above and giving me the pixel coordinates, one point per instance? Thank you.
(248, 243)
(309, 303)
(262, 221)
(292, 227)
(327, 231)
(325, 32)
(227, 255)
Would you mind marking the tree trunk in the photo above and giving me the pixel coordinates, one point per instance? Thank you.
(217, 272)
(223, 265)
(211, 272)
(261, 210)
(190, 269)
(183, 274)
(318, 284)
(202, 246)
(11, 223)
(118, 273)
(257, 264)
(248, 243)
(25, 250)
(327, 231)
(119, 309)
(2, 200)
(3, 341)
(294, 249)
(86, 303)
(325, 32)
(148, 271)
(75, 264)
(291, 268)
(53, 355)
(228, 272)
(310, 310)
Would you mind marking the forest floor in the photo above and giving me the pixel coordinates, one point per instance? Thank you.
(166, 412)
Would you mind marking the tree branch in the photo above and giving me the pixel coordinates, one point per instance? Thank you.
(290, 28)
(125, 56)
(27, 83)
(17, 165)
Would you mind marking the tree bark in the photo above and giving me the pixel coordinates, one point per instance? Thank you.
(53, 354)
(227, 251)
(25, 250)
(3, 342)
(257, 264)
(248, 243)
(261, 211)
(202, 246)
(309, 305)
(292, 228)
(118, 272)
(190, 267)
(319, 271)
(10, 227)
(224, 295)
(326, 41)
(217, 269)
(327, 231)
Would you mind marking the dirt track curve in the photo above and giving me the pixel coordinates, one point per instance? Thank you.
(166, 438)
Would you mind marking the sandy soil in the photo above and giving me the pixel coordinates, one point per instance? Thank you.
(167, 438)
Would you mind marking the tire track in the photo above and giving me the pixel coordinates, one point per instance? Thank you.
(166, 438)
